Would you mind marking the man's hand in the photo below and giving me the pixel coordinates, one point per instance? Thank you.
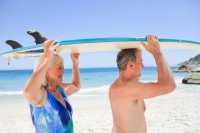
(152, 45)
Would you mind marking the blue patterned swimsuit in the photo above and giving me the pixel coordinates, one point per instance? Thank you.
(53, 117)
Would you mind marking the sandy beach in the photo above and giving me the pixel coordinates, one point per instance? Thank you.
(177, 112)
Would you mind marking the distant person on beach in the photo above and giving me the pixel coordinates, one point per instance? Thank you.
(127, 93)
(47, 95)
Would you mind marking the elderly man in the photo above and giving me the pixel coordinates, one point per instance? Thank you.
(127, 93)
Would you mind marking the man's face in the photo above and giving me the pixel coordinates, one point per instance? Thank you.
(139, 64)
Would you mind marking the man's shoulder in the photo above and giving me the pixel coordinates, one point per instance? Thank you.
(118, 87)
(115, 85)
(121, 84)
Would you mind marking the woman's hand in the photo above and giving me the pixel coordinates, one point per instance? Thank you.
(49, 49)
(75, 58)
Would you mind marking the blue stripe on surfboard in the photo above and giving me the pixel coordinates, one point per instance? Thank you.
(36, 51)
(33, 51)
(98, 40)
(101, 40)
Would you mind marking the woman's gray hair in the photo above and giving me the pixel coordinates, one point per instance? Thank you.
(56, 59)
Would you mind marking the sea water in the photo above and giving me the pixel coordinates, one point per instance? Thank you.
(93, 80)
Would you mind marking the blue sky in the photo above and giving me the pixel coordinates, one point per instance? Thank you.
(70, 19)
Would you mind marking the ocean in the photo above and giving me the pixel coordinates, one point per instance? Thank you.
(93, 80)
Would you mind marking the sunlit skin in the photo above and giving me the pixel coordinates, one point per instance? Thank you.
(128, 114)
(55, 73)
(36, 93)
(127, 93)
(47, 94)
(138, 66)
(55, 77)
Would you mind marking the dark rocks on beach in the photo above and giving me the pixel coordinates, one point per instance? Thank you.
(192, 65)
(191, 79)
(192, 62)
(184, 68)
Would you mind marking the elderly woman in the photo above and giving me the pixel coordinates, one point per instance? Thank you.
(47, 94)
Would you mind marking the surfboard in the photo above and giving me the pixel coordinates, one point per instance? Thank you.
(98, 45)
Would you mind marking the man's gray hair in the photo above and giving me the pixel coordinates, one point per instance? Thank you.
(126, 55)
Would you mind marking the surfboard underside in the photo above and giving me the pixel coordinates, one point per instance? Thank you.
(81, 47)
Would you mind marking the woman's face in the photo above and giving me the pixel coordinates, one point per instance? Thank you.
(55, 73)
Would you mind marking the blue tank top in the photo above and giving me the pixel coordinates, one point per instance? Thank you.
(53, 117)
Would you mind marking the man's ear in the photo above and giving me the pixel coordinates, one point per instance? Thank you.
(47, 74)
(131, 65)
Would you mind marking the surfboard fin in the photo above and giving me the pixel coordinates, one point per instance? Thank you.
(13, 44)
(39, 38)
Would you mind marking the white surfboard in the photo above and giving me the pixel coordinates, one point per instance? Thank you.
(98, 45)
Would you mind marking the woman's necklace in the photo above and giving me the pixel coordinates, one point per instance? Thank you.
(54, 89)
